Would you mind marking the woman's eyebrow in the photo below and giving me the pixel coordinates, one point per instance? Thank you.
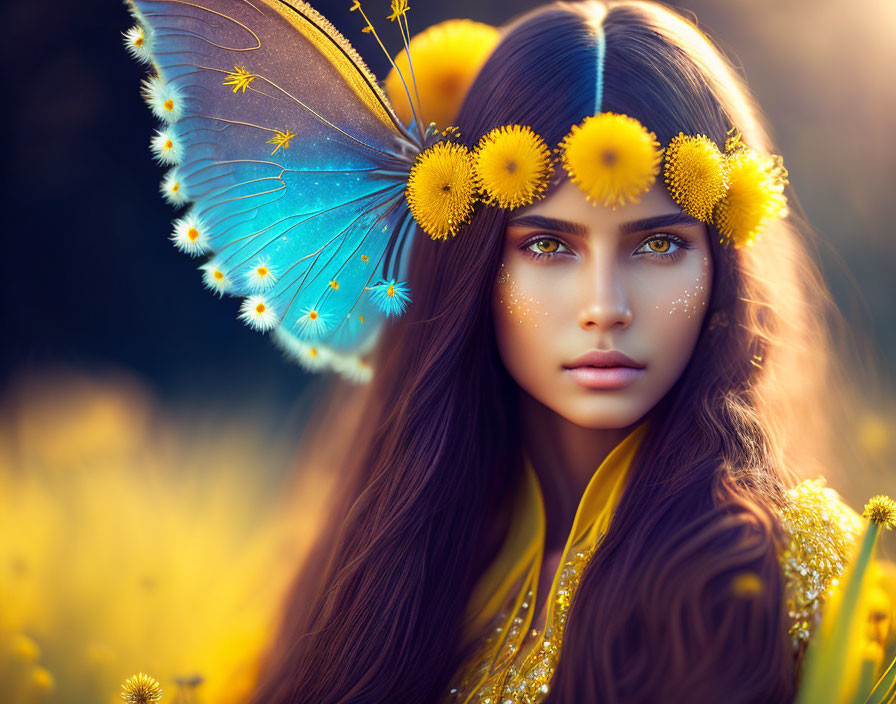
(544, 223)
(557, 225)
(665, 220)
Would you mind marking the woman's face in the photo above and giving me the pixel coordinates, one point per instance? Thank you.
(578, 278)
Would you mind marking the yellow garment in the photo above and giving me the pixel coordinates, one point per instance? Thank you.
(512, 660)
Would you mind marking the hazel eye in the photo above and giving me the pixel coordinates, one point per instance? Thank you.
(545, 246)
(666, 246)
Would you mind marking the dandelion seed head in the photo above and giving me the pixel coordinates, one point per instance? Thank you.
(257, 313)
(190, 235)
(141, 689)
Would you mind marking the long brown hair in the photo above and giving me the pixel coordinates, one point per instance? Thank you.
(375, 614)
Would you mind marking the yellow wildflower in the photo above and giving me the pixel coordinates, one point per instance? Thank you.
(399, 9)
(755, 195)
(881, 510)
(440, 189)
(239, 78)
(747, 584)
(446, 58)
(512, 166)
(280, 140)
(613, 158)
(695, 174)
(41, 679)
(141, 689)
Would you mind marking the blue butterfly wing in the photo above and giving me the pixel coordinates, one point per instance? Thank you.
(291, 160)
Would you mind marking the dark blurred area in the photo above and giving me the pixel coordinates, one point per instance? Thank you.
(91, 280)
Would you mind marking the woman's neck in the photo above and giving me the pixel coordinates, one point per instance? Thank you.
(565, 457)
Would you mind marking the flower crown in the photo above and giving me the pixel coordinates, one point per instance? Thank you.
(304, 186)
(614, 160)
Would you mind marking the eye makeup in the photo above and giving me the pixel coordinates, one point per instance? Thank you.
(681, 245)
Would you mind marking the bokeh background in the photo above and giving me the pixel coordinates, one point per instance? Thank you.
(148, 463)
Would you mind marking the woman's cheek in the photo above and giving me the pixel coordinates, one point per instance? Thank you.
(520, 305)
(690, 300)
(675, 316)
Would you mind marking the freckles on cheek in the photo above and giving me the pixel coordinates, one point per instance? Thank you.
(517, 305)
(691, 301)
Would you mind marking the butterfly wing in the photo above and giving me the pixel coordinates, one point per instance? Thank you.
(292, 162)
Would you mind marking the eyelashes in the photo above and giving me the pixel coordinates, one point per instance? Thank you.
(530, 247)
(681, 246)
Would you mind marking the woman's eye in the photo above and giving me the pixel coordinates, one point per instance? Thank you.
(545, 247)
(663, 247)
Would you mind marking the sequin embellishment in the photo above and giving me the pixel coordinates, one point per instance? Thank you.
(520, 671)
(822, 531)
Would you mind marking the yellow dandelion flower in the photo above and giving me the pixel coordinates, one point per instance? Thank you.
(399, 9)
(746, 584)
(24, 648)
(280, 140)
(613, 158)
(734, 141)
(141, 689)
(440, 189)
(239, 78)
(42, 679)
(881, 509)
(446, 58)
(694, 172)
(755, 195)
(512, 166)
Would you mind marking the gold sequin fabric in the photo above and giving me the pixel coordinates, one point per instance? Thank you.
(822, 533)
(513, 665)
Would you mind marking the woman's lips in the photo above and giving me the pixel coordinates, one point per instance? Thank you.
(604, 369)
(604, 377)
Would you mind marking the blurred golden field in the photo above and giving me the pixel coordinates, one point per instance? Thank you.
(134, 539)
(141, 537)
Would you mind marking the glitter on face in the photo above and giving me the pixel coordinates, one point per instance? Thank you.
(519, 305)
(693, 299)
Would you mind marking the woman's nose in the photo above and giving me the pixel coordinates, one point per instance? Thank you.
(604, 303)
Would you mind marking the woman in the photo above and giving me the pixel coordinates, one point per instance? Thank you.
(476, 374)
(518, 526)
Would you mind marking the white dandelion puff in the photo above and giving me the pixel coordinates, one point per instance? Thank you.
(166, 147)
(137, 42)
(190, 235)
(215, 278)
(391, 296)
(165, 101)
(310, 356)
(353, 368)
(173, 189)
(313, 324)
(135, 13)
(257, 313)
(261, 277)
